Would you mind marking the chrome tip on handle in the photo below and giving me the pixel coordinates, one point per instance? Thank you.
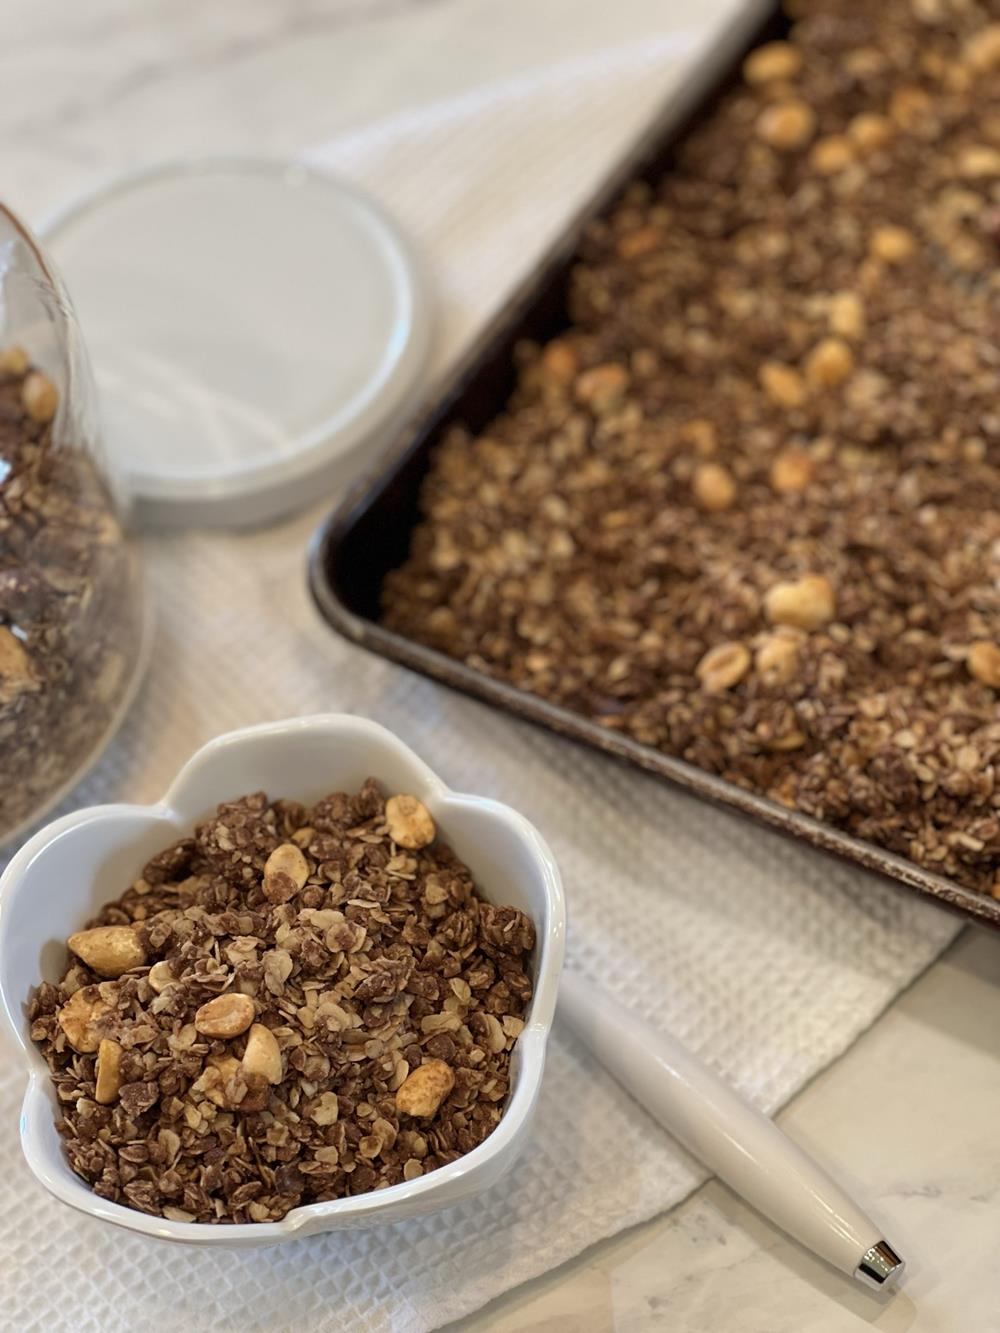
(880, 1266)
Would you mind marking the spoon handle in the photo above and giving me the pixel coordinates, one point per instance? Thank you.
(742, 1146)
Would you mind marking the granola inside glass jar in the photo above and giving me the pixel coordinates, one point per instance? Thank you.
(71, 604)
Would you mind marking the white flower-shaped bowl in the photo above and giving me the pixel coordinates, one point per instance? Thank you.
(67, 871)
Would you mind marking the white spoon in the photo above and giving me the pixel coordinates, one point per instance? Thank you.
(743, 1147)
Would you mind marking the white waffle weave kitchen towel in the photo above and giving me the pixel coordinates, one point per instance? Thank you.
(766, 958)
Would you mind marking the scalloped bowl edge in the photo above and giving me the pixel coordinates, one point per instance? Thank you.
(82, 860)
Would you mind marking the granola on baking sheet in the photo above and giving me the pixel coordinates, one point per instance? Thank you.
(746, 508)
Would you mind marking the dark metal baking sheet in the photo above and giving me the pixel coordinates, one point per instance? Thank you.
(369, 533)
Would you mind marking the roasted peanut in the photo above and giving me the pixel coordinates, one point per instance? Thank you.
(786, 740)
(773, 62)
(713, 487)
(108, 950)
(263, 1054)
(79, 1019)
(893, 245)
(870, 131)
(409, 822)
(782, 384)
(787, 126)
(722, 667)
(792, 471)
(829, 363)
(777, 659)
(978, 161)
(832, 153)
(559, 363)
(39, 397)
(325, 1110)
(807, 603)
(226, 1016)
(287, 860)
(846, 313)
(982, 50)
(109, 1072)
(983, 661)
(425, 1089)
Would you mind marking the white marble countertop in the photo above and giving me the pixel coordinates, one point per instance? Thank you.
(909, 1113)
(908, 1116)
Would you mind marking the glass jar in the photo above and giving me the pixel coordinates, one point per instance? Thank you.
(72, 624)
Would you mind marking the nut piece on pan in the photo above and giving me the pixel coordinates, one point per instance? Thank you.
(893, 245)
(982, 50)
(807, 603)
(831, 154)
(108, 950)
(425, 1089)
(409, 821)
(870, 131)
(777, 659)
(722, 667)
(109, 1072)
(791, 471)
(783, 384)
(713, 487)
(787, 125)
(774, 62)
(983, 662)
(226, 1016)
(846, 313)
(829, 363)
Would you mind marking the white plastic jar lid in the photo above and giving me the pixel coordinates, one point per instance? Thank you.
(252, 326)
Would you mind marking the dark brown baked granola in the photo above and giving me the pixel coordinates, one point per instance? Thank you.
(69, 605)
(292, 1005)
(747, 508)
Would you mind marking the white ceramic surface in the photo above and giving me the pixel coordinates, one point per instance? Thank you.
(59, 879)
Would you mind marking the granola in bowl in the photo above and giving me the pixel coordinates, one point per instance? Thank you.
(292, 1005)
